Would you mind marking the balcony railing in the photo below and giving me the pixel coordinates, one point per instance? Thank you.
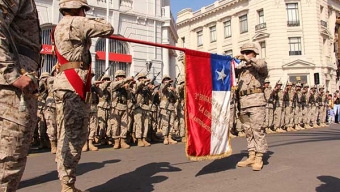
(293, 23)
(323, 23)
(260, 26)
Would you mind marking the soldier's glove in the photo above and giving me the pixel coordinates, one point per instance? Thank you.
(240, 57)
(128, 79)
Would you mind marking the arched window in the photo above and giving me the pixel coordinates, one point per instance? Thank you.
(49, 60)
(115, 46)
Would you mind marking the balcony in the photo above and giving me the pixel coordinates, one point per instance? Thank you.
(260, 26)
(323, 23)
(293, 23)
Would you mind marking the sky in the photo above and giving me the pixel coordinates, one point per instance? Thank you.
(177, 5)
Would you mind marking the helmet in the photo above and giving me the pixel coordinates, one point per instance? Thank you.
(165, 77)
(105, 77)
(266, 80)
(44, 74)
(92, 72)
(279, 82)
(321, 86)
(306, 85)
(298, 85)
(289, 83)
(73, 4)
(250, 47)
(141, 75)
(120, 73)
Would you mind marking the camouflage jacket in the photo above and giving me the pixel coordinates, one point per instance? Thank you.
(168, 97)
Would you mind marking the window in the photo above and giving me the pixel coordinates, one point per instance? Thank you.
(227, 29)
(261, 16)
(294, 46)
(263, 49)
(293, 14)
(199, 38)
(243, 24)
(228, 52)
(212, 34)
(183, 41)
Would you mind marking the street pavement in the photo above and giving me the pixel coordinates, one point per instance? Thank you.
(302, 161)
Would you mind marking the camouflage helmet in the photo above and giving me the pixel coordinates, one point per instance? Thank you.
(165, 77)
(279, 82)
(141, 75)
(120, 73)
(306, 85)
(73, 4)
(289, 83)
(44, 74)
(105, 77)
(321, 86)
(250, 47)
(266, 80)
(298, 85)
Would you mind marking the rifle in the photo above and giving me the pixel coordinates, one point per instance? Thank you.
(176, 80)
(154, 78)
(103, 73)
(137, 73)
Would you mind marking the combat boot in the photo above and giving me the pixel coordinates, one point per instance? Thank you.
(257, 166)
(268, 131)
(289, 129)
(280, 130)
(241, 134)
(184, 139)
(171, 141)
(249, 161)
(146, 143)
(117, 144)
(154, 138)
(307, 126)
(315, 125)
(53, 147)
(85, 147)
(166, 141)
(297, 127)
(140, 143)
(91, 146)
(123, 144)
(70, 188)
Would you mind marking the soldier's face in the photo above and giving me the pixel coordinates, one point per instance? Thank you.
(266, 85)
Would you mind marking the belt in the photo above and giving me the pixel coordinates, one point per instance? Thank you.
(29, 53)
(250, 91)
(71, 65)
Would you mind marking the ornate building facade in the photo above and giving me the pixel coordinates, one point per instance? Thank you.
(296, 37)
(147, 20)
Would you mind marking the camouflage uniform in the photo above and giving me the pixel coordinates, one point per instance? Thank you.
(41, 124)
(253, 72)
(104, 108)
(180, 121)
(298, 108)
(312, 108)
(268, 93)
(154, 105)
(323, 106)
(288, 107)
(278, 112)
(19, 50)
(305, 106)
(73, 40)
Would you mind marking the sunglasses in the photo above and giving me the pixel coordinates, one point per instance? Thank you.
(247, 52)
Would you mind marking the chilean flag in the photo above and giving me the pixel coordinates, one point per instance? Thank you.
(209, 78)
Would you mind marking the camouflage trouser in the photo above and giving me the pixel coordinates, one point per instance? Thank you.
(269, 116)
(41, 124)
(72, 120)
(153, 121)
(278, 116)
(305, 117)
(141, 123)
(15, 139)
(103, 121)
(289, 115)
(51, 123)
(166, 121)
(253, 119)
(119, 123)
(297, 115)
(323, 114)
(311, 113)
(179, 123)
(93, 125)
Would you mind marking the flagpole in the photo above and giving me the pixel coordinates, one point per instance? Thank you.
(107, 40)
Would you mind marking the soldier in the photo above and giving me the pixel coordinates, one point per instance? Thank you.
(141, 111)
(119, 112)
(288, 97)
(93, 124)
(305, 106)
(313, 107)
(104, 109)
(322, 101)
(42, 127)
(73, 82)
(252, 73)
(154, 105)
(278, 111)
(20, 46)
(268, 93)
(167, 109)
(180, 122)
(298, 107)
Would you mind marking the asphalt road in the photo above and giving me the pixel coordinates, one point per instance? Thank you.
(301, 161)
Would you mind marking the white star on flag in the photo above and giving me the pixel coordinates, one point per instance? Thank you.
(221, 74)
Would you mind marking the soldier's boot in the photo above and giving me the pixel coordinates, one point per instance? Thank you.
(123, 144)
(307, 126)
(166, 140)
(297, 127)
(324, 125)
(249, 161)
(85, 147)
(70, 188)
(171, 141)
(146, 143)
(117, 144)
(154, 137)
(140, 143)
(53, 147)
(294, 128)
(91, 146)
(258, 164)
(230, 134)
(184, 139)
(280, 130)
(289, 129)
(315, 125)
(241, 134)
(268, 131)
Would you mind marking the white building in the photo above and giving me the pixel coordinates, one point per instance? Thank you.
(296, 37)
(146, 20)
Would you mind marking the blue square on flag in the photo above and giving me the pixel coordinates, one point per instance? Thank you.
(220, 69)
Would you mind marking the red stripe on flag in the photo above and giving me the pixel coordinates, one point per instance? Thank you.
(198, 102)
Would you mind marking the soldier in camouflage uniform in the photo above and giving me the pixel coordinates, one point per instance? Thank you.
(268, 93)
(72, 84)
(154, 105)
(305, 106)
(168, 98)
(20, 46)
(93, 124)
(278, 111)
(104, 109)
(312, 107)
(141, 111)
(322, 106)
(298, 108)
(288, 98)
(180, 122)
(252, 73)
(42, 127)
(119, 112)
